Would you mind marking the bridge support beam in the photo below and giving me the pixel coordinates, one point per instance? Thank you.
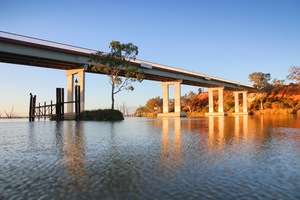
(81, 82)
(177, 107)
(236, 103)
(211, 101)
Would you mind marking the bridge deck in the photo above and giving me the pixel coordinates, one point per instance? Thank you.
(18, 49)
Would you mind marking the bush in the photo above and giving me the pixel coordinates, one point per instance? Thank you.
(101, 115)
(271, 99)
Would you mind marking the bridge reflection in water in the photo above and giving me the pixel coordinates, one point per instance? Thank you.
(171, 141)
(255, 157)
(221, 132)
(71, 146)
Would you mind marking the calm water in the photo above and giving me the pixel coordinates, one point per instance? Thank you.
(245, 157)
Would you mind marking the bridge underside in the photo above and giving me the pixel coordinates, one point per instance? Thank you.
(36, 61)
(16, 49)
(64, 65)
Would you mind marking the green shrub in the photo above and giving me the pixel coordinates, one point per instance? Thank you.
(101, 115)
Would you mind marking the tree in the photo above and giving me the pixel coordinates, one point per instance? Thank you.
(261, 83)
(124, 109)
(294, 74)
(277, 84)
(154, 104)
(11, 114)
(140, 111)
(116, 64)
(189, 100)
(260, 80)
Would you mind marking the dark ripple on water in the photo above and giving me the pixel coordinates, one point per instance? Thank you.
(157, 159)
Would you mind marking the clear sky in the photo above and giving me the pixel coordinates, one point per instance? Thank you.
(225, 38)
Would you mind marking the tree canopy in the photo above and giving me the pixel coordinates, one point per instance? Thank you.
(294, 74)
(116, 64)
(260, 81)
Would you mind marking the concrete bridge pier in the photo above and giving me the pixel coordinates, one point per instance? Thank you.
(81, 82)
(177, 107)
(236, 103)
(211, 102)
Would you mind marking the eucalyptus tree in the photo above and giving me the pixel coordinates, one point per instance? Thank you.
(261, 83)
(116, 65)
(294, 74)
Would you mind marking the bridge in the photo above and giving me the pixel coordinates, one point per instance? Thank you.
(18, 49)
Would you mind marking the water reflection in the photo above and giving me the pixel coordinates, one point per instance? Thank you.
(32, 141)
(70, 142)
(234, 157)
(215, 131)
(241, 127)
(59, 139)
(74, 155)
(224, 131)
(171, 141)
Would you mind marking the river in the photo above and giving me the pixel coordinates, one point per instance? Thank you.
(232, 157)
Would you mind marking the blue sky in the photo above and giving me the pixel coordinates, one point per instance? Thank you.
(228, 39)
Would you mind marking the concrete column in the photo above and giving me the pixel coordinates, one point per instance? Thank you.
(236, 102)
(221, 100)
(165, 87)
(81, 83)
(177, 105)
(70, 94)
(210, 100)
(245, 102)
(177, 97)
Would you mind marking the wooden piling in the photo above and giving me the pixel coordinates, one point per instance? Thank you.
(30, 108)
(62, 103)
(45, 110)
(77, 101)
(42, 111)
(57, 104)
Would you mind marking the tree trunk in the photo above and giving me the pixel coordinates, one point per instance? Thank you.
(112, 97)
(261, 104)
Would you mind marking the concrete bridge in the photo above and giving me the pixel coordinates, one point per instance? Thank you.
(18, 49)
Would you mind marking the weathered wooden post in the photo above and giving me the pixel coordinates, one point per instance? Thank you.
(51, 107)
(59, 104)
(77, 101)
(45, 110)
(30, 108)
(62, 103)
(39, 113)
(58, 117)
(33, 107)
